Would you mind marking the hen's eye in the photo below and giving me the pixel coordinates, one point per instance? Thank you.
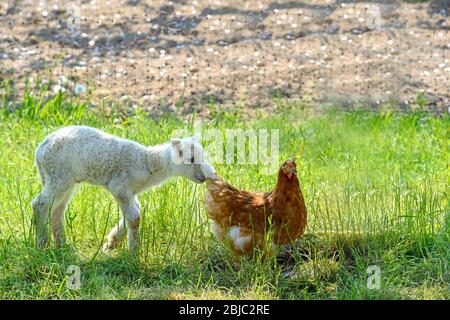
(192, 160)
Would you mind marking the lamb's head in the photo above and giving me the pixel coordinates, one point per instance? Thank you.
(187, 159)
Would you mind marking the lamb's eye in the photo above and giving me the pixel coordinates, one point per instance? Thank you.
(180, 153)
(192, 160)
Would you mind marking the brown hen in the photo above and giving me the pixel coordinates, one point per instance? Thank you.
(244, 220)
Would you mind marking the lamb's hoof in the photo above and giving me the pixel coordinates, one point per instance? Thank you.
(105, 248)
(108, 246)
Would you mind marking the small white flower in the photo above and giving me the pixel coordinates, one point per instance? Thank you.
(58, 88)
(79, 89)
(62, 80)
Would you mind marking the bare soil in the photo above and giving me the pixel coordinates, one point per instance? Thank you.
(180, 55)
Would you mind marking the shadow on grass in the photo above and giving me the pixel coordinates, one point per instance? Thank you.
(316, 266)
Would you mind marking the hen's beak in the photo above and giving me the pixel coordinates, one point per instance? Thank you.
(292, 171)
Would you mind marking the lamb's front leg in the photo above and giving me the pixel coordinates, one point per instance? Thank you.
(133, 220)
(115, 235)
(130, 209)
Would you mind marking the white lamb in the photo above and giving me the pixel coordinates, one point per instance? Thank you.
(77, 154)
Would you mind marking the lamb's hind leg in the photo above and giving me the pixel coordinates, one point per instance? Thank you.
(57, 214)
(53, 199)
(41, 207)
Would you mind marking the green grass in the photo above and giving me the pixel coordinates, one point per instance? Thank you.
(376, 186)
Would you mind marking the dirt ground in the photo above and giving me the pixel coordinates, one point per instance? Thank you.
(243, 52)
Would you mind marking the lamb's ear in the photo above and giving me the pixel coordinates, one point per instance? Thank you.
(176, 144)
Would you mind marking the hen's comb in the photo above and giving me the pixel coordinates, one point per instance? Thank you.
(291, 162)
